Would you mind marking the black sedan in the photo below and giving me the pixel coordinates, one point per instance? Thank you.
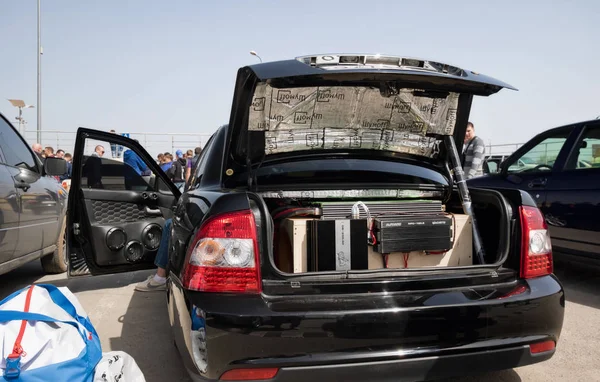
(560, 168)
(327, 233)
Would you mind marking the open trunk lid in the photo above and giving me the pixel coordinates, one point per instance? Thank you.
(389, 107)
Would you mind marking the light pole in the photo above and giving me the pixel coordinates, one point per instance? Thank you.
(256, 55)
(39, 75)
(20, 104)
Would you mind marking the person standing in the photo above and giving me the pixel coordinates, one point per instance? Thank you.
(177, 171)
(167, 162)
(189, 164)
(93, 168)
(68, 158)
(49, 151)
(60, 153)
(473, 153)
(37, 149)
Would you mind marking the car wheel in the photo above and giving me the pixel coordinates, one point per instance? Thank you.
(57, 261)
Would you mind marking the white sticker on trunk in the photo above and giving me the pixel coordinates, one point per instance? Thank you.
(342, 245)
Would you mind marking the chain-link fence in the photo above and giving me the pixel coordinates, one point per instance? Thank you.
(504, 149)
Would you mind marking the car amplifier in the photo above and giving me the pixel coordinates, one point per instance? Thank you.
(413, 233)
(337, 245)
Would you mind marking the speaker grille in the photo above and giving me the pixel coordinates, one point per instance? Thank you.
(116, 239)
(151, 236)
(134, 251)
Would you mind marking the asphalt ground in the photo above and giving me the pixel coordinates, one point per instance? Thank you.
(137, 323)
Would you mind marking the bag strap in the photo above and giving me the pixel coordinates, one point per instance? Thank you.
(60, 299)
(13, 295)
(13, 361)
(63, 302)
(17, 348)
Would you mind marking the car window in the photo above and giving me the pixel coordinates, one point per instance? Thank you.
(492, 166)
(200, 166)
(587, 152)
(540, 157)
(14, 149)
(118, 169)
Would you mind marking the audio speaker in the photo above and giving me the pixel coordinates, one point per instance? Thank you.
(134, 251)
(116, 239)
(151, 236)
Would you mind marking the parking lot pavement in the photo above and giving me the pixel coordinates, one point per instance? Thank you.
(137, 323)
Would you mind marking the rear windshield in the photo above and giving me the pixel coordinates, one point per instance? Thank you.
(347, 171)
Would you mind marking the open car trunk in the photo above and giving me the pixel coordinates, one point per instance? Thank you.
(370, 108)
(329, 233)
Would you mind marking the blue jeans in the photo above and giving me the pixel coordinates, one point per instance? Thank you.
(162, 256)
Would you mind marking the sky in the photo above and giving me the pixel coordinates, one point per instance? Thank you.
(170, 66)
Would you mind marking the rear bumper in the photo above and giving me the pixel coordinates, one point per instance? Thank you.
(418, 369)
(414, 369)
(438, 335)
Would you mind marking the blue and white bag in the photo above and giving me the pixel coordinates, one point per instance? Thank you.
(46, 336)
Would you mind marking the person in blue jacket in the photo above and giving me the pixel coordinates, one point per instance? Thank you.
(131, 159)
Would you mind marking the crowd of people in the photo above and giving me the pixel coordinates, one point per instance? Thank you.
(48, 152)
(178, 167)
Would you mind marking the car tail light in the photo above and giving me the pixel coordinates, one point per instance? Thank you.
(223, 256)
(541, 347)
(249, 374)
(536, 249)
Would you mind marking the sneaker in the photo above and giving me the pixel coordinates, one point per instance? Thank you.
(150, 285)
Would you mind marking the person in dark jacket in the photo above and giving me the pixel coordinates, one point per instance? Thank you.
(93, 168)
(68, 158)
(177, 171)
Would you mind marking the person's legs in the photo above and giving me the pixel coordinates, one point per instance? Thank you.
(158, 280)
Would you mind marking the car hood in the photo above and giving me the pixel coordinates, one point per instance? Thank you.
(380, 106)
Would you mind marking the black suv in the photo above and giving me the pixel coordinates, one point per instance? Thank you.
(32, 205)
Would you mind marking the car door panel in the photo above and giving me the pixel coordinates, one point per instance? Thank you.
(572, 213)
(572, 208)
(9, 216)
(135, 217)
(40, 204)
(115, 222)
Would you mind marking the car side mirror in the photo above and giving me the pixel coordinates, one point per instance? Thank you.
(55, 166)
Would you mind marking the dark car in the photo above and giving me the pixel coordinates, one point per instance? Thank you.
(32, 205)
(562, 174)
(301, 251)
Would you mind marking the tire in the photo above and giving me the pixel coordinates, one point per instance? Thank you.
(57, 261)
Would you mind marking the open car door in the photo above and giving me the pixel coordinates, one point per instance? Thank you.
(117, 205)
